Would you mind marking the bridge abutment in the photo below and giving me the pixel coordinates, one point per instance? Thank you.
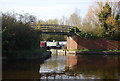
(75, 42)
(72, 42)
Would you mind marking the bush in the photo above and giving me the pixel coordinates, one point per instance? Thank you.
(17, 35)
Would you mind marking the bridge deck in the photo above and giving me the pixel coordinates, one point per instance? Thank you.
(54, 29)
(57, 33)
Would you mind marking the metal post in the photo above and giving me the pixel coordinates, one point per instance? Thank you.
(46, 28)
(54, 28)
(61, 28)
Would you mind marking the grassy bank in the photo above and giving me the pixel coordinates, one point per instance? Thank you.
(94, 52)
(78, 50)
(27, 54)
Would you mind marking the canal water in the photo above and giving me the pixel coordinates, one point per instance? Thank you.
(65, 67)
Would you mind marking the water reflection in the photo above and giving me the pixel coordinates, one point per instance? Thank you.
(56, 64)
(65, 67)
(21, 69)
(81, 67)
(102, 67)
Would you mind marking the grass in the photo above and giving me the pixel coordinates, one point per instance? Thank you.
(94, 50)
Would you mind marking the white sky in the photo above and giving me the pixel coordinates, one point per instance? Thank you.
(46, 9)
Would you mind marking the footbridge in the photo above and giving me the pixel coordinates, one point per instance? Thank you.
(54, 29)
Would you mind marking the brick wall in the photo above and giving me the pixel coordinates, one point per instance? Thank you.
(71, 42)
(80, 43)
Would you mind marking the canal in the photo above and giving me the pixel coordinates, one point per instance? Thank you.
(65, 67)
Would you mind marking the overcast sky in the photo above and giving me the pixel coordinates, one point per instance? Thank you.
(46, 9)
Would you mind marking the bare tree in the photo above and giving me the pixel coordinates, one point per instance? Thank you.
(75, 19)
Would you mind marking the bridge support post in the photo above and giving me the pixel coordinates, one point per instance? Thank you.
(72, 42)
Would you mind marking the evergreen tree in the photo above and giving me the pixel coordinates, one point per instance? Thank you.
(109, 22)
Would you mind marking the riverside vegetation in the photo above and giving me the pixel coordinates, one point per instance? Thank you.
(102, 20)
(19, 40)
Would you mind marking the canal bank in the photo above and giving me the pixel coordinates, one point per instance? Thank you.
(27, 55)
(85, 52)
(94, 52)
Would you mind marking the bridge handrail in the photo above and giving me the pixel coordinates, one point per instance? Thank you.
(53, 28)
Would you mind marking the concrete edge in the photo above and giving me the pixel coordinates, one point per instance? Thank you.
(93, 53)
